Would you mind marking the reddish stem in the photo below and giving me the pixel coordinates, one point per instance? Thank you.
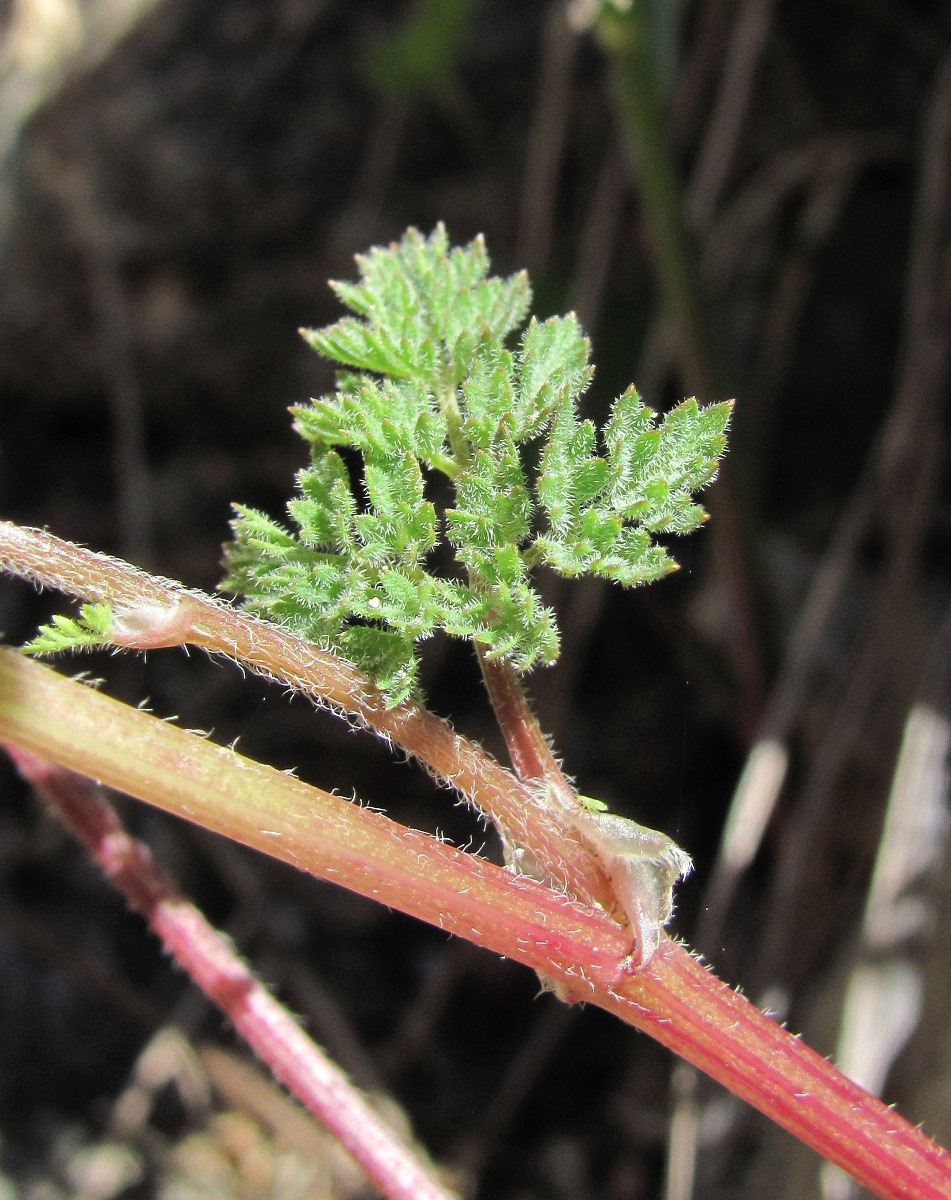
(154, 612)
(761, 1064)
(530, 753)
(700, 1018)
(210, 961)
(674, 999)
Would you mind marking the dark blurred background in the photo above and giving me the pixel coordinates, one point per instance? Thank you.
(744, 198)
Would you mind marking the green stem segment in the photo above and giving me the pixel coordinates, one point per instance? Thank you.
(675, 999)
(625, 39)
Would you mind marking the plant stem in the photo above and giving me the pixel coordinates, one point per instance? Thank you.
(326, 835)
(530, 753)
(214, 966)
(152, 612)
(674, 998)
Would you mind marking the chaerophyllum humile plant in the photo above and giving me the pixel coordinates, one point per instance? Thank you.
(449, 466)
(438, 385)
(431, 392)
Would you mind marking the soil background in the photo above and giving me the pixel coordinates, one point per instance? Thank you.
(179, 180)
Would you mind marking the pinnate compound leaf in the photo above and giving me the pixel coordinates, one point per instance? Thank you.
(647, 476)
(493, 505)
(656, 470)
(424, 307)
(368, 349)
(90, 630)
(488, 394)
(434, 403)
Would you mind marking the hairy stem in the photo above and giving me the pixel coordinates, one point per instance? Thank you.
(674, 998)
(152, 612)
(530, 753)
(214, 966)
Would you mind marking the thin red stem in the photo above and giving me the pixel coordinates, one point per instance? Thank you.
(530, 753)
(210, 961)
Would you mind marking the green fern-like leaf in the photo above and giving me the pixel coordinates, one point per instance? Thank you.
(422, 308)
(437, 385)
(90, 630)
